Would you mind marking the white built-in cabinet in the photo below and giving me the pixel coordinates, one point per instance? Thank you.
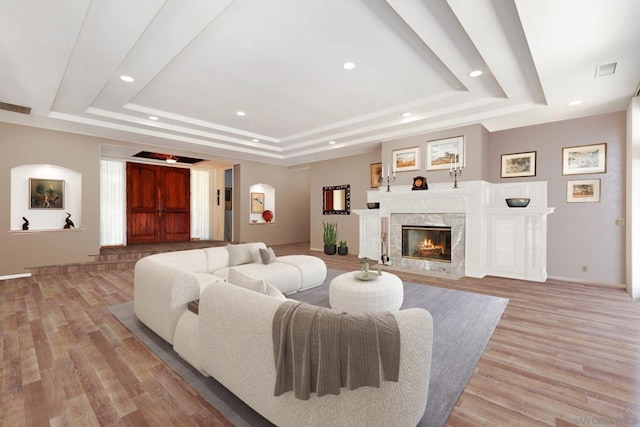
(499, 241)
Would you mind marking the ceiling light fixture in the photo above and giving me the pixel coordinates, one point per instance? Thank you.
(154, 118)
(127, 79)
(171, 160)
(255, 140)
(349, 65)
(241, 113)
(332, 142)
(475, 73)
(405, 114)
(574, 103)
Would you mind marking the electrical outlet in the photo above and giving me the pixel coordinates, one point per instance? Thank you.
(620, 222)
(585, 268)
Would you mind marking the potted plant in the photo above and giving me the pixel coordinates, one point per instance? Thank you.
(329, 237)
(343, 249)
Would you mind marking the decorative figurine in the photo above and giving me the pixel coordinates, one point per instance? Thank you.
(69, 223)
(25, 226)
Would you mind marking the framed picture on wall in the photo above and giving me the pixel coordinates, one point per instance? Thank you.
(46, 193)
(518, 164)
(583, 191)
(376, 174)
(584, 159)
(257, 202)
(445, 153)
(407, 159)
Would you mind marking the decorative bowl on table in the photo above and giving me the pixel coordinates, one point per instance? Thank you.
(518, 202)
(373, 205)
(365, 275)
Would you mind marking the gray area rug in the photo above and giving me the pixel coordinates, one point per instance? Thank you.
(463, 324)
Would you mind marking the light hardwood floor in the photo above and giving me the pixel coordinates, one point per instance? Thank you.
(563, 354)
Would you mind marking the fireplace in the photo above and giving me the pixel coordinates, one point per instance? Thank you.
(426, 242)
(436, 246)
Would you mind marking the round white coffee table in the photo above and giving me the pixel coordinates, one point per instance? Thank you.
(383, 293)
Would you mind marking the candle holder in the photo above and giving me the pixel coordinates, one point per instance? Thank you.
(455, 173)
(389, 179)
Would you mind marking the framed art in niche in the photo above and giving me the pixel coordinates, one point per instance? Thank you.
(46, 193)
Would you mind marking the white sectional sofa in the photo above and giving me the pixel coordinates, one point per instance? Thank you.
(164, 283)
(231, 339)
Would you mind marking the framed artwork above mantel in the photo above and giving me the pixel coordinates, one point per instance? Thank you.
(444, 154)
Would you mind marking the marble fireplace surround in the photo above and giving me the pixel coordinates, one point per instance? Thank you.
(455, 268)
(487, 236)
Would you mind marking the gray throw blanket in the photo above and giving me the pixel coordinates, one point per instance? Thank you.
(320, 350)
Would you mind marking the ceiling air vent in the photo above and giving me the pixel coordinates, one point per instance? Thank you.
(15, 108)
(606, 69)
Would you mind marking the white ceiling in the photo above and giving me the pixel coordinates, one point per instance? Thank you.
(197, 62)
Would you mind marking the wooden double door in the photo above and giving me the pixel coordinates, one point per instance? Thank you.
(158, 204)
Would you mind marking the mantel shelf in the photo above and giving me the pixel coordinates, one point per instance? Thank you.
(44, 230)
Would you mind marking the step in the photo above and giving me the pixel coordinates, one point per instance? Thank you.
(121, 257)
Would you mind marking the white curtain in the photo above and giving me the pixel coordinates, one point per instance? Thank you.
(200, 204)
(112, 203)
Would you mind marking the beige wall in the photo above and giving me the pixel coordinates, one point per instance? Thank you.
(354, 171)
(579, 234)
(24, 145)
(291, 187)
(476, 140)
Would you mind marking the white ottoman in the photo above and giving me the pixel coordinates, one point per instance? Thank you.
(384, 293)
(312, 269)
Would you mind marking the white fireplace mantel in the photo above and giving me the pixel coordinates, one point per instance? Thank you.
(498, 240)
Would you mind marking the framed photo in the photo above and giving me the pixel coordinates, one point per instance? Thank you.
(46, 193)
(257, 202)
(376, 175)
(584, 159)
(445, 153)
(518, 164)
(407, 159)
(583, 191)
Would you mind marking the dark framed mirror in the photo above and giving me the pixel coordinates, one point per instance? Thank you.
(336, 200)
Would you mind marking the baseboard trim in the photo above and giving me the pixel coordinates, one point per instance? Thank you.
(587, 282)
(15, 276)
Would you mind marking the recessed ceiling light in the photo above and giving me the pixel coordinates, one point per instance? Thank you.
(332, 142)
(475, 73)
(405, 114)
(241, 113)
(575, 102)
(127, 79)
(349, 65)
(255, 140)
(154, 118)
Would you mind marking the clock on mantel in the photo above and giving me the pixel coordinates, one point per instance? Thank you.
(420, 183)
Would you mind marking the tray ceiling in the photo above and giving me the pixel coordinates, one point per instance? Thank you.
(196, 64)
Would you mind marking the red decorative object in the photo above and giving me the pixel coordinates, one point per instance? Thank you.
(267, 215)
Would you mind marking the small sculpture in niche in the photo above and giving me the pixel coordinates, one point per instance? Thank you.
(69, 223)
(25, 226)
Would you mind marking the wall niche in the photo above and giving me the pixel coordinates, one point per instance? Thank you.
(263, 198)
(34, 204)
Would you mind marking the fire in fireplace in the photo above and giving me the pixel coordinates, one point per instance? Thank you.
(426, 242)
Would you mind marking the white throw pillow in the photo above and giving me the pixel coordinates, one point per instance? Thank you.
(267, 256)
(256, 285)
(240, 254)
